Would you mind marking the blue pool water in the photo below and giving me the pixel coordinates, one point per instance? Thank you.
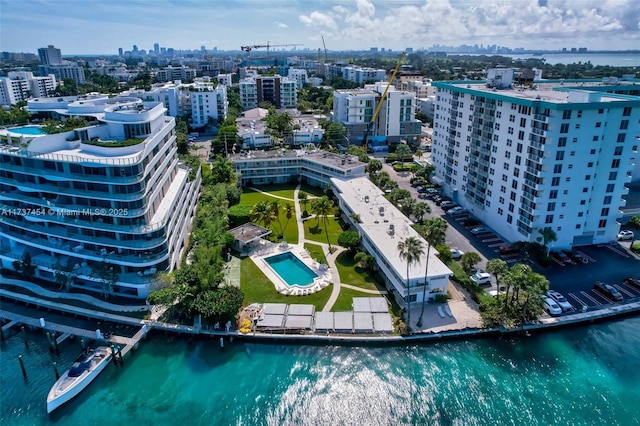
(291, 269)
(28, 130)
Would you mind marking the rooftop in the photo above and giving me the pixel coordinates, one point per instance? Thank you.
(385, 226)
(342, 161)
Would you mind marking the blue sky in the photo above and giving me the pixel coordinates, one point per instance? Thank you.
(89, 26)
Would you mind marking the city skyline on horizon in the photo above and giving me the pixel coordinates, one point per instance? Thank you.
(345, 25)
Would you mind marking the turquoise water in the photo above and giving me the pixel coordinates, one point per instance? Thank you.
(28, 130)
(574, 377)
(291, 269)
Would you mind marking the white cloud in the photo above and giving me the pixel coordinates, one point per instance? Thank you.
(281, 25)
(318, 19)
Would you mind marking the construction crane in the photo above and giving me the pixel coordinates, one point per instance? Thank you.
(248, 49)
(365, 138)
(326, 58)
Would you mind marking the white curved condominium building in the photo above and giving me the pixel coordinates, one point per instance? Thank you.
(105, 207)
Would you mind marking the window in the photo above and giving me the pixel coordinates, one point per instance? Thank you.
(610, 187)
(507, 154)
(509, 218)
(557, 169)
(500, 211)
(551, 207)
(521, 135)
(509, 142)
(585, 189)
(595, 138)
(626, 112)
(516, 172)
(618, 150)
(564, 128)
(553, 194)
(577, 125)
(587, 177)
(624, 124)
(607, 200)
(512, 118)
(593, 151)
(519, 148)
(566, 115)
(621, 137)
(523, 122)
(514, 184)
(511, 207)
(590, 164)
(615, 163)
(518, 160)
(582, 203)
(602, 223)
(559, 155)
(562, 142)
(605, 211)
(613, 175)
(549, 219)
(555, 181)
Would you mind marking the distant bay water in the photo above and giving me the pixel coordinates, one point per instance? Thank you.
(581, 376)
(611, 59)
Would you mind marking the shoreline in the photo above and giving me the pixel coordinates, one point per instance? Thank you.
(552, 323)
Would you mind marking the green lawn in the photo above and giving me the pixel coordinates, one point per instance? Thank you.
(345, 299)
(284, 190)
(315, 232)
(258, 288)
(312, 191)
(352, 274)
(251, 198)
(316, 252)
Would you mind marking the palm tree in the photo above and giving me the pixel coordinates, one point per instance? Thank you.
(288, 213)
(497, 268)
(421, 210)
(274, 206)
(262, 213)
(303, 199)
(548, 235)
(323, 207)
(434, 231)
(410, 250)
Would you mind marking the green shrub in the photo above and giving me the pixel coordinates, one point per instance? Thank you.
(115, 144)
(239, 214)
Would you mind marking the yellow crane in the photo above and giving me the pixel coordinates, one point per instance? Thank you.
(365, 139)
(248, 49)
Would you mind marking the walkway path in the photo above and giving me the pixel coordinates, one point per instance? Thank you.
(275, 196)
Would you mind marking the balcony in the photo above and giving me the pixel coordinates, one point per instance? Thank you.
(542, 118)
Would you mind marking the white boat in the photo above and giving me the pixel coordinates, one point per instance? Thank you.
(84, 369)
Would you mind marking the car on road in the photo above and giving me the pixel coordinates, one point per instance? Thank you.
(551, 306)
(456, 254)
(625, 235)
(576, 257)
(632, 281)
(608, 290)
(481, 278)
(456, 211)
(560, 300)
(479, 230)
(561, 257)
(417, 183)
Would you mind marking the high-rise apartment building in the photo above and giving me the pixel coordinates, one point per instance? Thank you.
(107, 206)
(22, 85)
(395, 122)
(553, 155)
(280, 91)
(50, 55)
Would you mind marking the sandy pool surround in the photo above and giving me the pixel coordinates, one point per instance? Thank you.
(323, 276)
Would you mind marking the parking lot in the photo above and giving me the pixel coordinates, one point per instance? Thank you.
(609, 263)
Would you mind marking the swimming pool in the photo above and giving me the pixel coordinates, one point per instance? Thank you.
(28, 130)
(291, 269)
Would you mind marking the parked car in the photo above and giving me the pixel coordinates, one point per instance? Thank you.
(561, 257)
(422, 190)
(551, 306)
(481, 278)
(632, 281)
(446, 203)
(507, 249)
(417, 183)
(576, 257)
(608, 290)
(456, 254)
(479, 230)
(560, 300)
(471, 221)
(625, 235)
(456, 211)
(432, 191)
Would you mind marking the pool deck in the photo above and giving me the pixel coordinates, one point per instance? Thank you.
(266, 249)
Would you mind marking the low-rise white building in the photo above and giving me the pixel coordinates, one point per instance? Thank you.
(381, 227)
